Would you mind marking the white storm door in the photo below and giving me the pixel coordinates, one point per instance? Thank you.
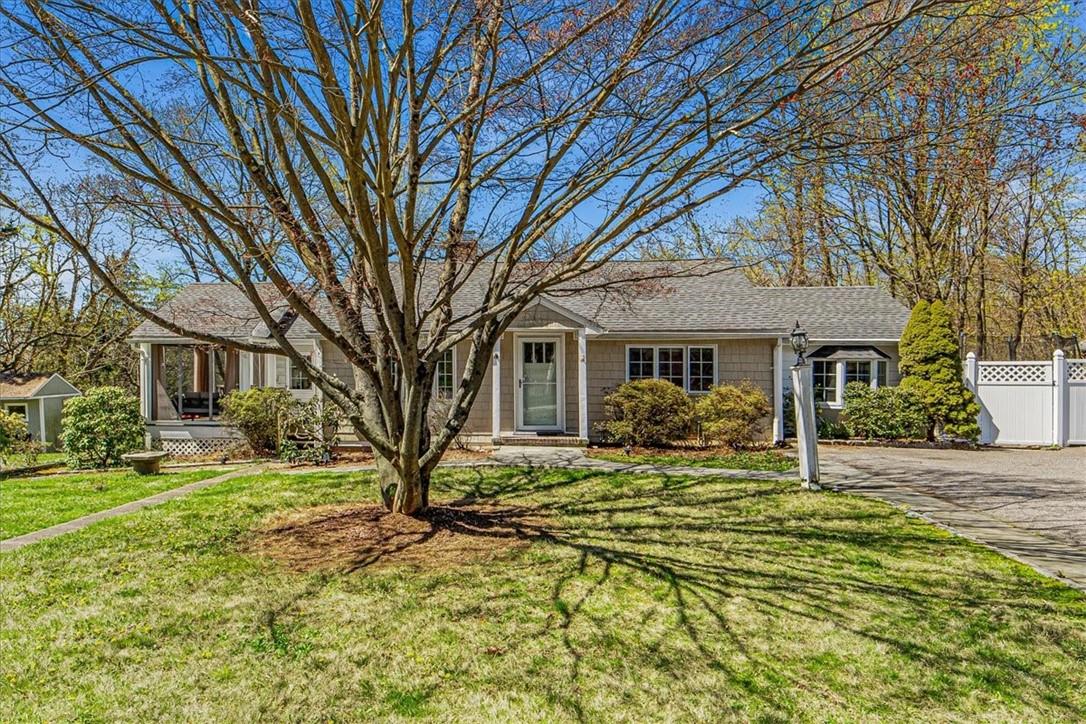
(538, 382)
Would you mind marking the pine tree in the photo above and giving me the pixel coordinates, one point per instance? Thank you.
(931, 369)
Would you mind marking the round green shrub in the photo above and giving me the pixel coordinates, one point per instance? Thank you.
(647, 413)
(258, 414)
(100, 426)
(15, 440)
(733, 415)
(887, 413)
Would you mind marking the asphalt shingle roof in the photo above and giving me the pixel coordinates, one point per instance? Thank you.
(637, 297)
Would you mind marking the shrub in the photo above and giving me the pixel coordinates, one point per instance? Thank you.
(101, 426)
(310, 431)
(257, 413)
(647, 412)
(932, 371)
(15, 440)
(830, 429)
(885, 412)
(733, 414)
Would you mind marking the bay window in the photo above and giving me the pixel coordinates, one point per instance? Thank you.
(833, 368)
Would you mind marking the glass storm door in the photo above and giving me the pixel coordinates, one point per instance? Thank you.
(538, 383)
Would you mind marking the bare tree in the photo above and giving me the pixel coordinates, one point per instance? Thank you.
(374, 138)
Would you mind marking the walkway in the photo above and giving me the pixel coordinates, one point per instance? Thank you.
(574, 457)
(1027, 504)
(79, 523)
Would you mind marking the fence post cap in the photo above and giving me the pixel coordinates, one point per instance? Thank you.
(1058, 354)
(971, 356)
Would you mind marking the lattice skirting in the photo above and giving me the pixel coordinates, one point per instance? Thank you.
(201, 446)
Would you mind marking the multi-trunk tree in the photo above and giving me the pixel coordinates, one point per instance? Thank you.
(345, 151)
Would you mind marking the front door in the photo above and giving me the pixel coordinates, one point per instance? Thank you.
(538, 380)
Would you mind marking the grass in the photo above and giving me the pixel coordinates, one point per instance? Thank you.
(648, 597)
(34, 502)
(753, 460)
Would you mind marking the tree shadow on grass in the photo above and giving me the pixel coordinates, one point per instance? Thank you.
(882, 585)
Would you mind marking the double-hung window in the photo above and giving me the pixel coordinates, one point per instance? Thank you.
(825, 381)
(858, 372)
(702, 368)
(299, 380)
(690, 368)
(640, 363)
(671, 365)
(444, 376)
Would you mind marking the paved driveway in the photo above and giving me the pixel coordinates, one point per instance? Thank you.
(1030, 504)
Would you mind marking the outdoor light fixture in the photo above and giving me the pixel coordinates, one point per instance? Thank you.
(799, 342)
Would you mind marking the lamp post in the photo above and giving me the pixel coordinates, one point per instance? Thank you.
(799, 342)
(806, 423)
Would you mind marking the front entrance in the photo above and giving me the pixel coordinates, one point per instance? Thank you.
(539, 383)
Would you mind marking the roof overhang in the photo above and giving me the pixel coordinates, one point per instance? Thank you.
(848, 352)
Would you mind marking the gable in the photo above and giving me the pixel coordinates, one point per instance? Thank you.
(57, 385)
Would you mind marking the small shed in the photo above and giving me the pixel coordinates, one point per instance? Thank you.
(39, 398)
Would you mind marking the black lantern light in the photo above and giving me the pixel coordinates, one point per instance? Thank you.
(799, 342)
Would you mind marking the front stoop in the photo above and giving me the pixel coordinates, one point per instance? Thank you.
(541, 441)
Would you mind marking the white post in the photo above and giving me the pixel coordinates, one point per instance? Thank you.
(582, 383)
(971, 376)
(318, 362)
(1060, 406)
(146, 381)
(210, 382)
(806, 425)
(778, 391)
(269, 369)
(496, 394)
(245, 370)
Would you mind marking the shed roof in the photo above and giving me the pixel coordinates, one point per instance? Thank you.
(22, 386)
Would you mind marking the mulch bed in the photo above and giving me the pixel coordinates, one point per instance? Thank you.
(351, 537)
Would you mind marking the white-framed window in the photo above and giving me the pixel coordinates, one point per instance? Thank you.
(670, 365)
(445, 375)
(692, 368)
(19, 409)
(825, 381)
(702, 369)
(640, 363)
(831, 377)
(297, 379)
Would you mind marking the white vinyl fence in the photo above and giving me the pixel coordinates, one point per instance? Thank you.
(1030, 403)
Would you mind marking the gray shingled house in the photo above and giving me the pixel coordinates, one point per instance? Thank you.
(701, 325)
(39, 398)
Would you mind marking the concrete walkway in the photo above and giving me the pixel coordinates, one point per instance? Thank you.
(573, 458)
(79, 523)
(1019, 503)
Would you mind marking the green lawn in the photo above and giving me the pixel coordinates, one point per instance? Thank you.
(626, 597)
(35, 502)
(756, 460)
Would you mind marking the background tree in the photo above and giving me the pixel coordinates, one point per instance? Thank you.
(960, 183)
(349, 152)
(932, 372)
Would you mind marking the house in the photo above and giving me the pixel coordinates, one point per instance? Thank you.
(694, 323)
(39, 398)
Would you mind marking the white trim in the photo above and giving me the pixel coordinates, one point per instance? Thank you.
(686, 361)
(41, 422)
(778, 391)
(560, 381)
(496, 391)
(588, 324)
(270, 371)
(44, 397)
(582, 384)
(649, 335)
(318, 362)
(146, 378)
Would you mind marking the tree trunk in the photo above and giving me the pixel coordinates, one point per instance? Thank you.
(405, 490)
